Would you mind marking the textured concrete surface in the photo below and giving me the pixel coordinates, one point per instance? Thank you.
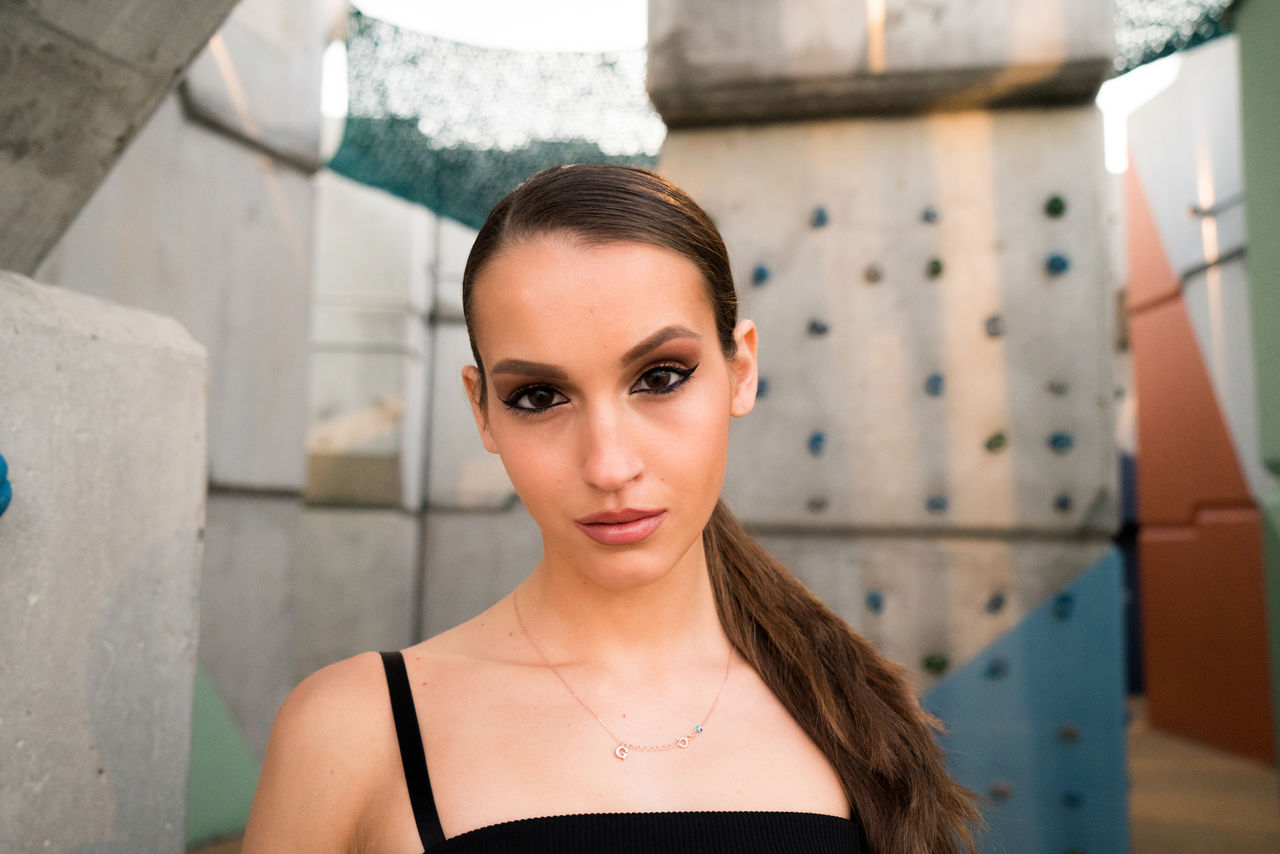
(77, 80)
(473, 559)
(248, 599)
(920, 597)
(356, 584)
(838, 225)
(282, 41)
(370, 346)
(718, 61)
(104, 433)
(198, 227)
(461, 474)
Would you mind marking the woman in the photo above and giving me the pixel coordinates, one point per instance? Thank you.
(658, 682)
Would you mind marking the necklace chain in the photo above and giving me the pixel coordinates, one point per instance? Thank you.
(624, 748)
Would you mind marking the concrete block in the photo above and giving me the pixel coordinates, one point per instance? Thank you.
(471, 559)
(920, 597)
(104, 413)
(259, 77)
(77, 80)
(1186, 147)
(248, 605)
(370, 343)
(196, 226)
(721, 61)
(356, 585)
(945, 334)
(461, 474)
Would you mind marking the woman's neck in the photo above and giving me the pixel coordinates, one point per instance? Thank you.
(642, 629)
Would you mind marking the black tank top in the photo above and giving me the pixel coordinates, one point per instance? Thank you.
(727, 832)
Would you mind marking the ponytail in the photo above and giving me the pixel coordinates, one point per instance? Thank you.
(857, 706)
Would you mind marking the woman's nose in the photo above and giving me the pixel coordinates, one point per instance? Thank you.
(610, 459)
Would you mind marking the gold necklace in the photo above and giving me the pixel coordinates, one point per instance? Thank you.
(624, 748)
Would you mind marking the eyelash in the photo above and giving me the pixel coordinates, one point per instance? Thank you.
(684, 375)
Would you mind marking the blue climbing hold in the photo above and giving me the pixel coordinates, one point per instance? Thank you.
(1063, 502)
(1057, 264)
(936, 503)
(995, 604)
(817, 328)
(759, 275)
(929, 214)
(1063, 604)
(1072, 799)
(1061, 442)
(6, 495)
(819, 218)
(817, 443)
(875, 601)
(4, 469)
(762, 387)
(997, 668)
(995, 326)
(935, 385)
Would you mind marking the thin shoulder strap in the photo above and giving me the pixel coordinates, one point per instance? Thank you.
(412, 755)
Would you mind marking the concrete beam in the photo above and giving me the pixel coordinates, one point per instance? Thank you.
(77, 80)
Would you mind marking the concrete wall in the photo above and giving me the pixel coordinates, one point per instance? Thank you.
(104, 411)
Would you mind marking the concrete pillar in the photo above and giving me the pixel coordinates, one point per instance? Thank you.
(105, 442)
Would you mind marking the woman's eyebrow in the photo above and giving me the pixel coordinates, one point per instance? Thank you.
(656, 340)
(526, 368)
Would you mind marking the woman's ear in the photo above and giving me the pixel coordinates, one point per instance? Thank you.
(471, 380)
(744, 368)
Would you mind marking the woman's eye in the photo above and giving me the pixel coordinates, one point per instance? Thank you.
(535, 399)
(662, 379)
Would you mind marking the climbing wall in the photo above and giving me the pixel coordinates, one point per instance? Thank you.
(932, 448)
(1200, 467)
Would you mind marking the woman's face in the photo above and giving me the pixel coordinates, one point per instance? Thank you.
(608, 399)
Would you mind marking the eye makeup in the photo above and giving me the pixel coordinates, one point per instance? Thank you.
(540, 397)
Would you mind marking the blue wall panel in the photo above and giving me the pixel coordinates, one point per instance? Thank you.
(1037, 723)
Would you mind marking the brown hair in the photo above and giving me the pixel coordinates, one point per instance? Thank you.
(856, 705)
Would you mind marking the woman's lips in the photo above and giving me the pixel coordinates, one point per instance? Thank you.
(619, 527)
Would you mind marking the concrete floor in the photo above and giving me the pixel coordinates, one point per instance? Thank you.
(1186, 798)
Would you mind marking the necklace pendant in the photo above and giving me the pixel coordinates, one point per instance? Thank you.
(682, 742)
(620, 751)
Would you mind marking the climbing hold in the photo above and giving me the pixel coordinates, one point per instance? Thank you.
(818, 328)
(929, 214)
(995, 326)
(1063, 604)
(1055, 206)
(1056, 264)
(1072, 799)
(996, 442)
(995, 604)
(1063, 502)
(817, 504)
(873, 273)
(934, 268)
(762, 387)
(934, 385)
(997, 668)
(817, 443)
(1059, 387)
(819, 218)
(936, 503)
(759, 275)
(6, 488)
(1061, 442)
(875, 601)
(1001, 791)
(936, 663)
(1068, 733)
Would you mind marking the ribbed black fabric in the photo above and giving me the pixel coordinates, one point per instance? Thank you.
(743, 832)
